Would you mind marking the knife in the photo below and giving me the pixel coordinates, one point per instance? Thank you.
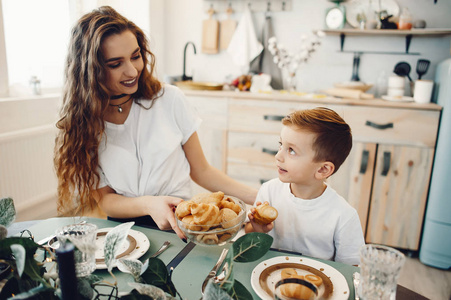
(213, 271)
(179, 257)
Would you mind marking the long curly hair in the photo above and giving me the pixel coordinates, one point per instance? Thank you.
(85, 101)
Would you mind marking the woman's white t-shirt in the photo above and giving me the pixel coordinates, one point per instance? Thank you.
(144, 156)
(326, 227)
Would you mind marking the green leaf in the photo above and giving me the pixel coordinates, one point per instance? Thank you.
(157, 275)
(113, 241)
(149, 290)
(132, 266)
(7, 211)
(251, 247)
(240, 292)
(84, 288)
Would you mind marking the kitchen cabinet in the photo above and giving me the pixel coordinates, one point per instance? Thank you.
(385, 177)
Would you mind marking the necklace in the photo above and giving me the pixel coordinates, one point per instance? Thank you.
(119, 108)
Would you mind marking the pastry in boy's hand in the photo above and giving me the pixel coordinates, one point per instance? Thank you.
(265, 214)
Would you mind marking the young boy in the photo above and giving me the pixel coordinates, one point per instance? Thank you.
(313, 219)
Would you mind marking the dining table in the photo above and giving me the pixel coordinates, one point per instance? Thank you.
(190, 273)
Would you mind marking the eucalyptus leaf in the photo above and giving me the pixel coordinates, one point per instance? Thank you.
(156, 274)
(251, 247)
(240, 292)
(149, 290)
(7, 211)
(214, 292)
(131, 266)
(20, 256)
(113, 242)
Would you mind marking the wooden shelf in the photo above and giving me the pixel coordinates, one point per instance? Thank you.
(408, 34)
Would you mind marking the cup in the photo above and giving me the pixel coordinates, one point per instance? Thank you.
(423, 91)
(380, 267)
(397, 82)
(83, 236)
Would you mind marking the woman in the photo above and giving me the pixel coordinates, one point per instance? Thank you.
(126, 142)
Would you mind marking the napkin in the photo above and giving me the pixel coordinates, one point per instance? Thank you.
(244, 45)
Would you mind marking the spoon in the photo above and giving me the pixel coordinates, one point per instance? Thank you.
(162, 249)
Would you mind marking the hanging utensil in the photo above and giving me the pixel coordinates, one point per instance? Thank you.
(403, 69)
(355, 67)
(422, 67)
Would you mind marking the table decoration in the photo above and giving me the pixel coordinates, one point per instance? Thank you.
(290, 62)
(34, 273)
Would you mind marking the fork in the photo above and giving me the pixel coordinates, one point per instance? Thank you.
(162, 248)
(356, 281)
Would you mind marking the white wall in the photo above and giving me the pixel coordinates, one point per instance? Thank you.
(183, 23)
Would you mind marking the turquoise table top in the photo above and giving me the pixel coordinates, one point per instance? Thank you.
(192, 270)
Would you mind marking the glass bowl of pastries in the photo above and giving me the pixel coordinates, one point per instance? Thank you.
(211, 218)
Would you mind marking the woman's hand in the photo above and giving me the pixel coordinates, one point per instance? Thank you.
(258, 227)
(161, 209)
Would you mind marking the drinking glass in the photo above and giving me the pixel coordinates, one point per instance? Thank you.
(380, 267)
(83, 236)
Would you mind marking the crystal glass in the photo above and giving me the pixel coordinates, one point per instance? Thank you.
(83, 236)
(380, 267)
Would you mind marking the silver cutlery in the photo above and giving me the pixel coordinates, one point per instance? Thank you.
(214, 271)
(162, 249)
(356, 281)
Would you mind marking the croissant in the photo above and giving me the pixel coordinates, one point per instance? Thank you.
(229, 203)
(209, 239)
(183, 209)
(316, 280)
(265, 214)
(189, 224)
(296, 290)
(228, 218)
(288, 272)
(205, 214)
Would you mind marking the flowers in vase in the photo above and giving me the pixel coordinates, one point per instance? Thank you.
(289, 61)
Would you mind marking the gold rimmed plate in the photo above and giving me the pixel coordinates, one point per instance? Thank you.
(266, 274)
(135, 246)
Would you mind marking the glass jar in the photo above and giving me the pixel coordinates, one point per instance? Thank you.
(405, 19)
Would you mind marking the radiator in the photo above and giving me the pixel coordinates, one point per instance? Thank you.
(26, 171)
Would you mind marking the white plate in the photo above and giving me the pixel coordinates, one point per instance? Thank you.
(355, 7)
(398, 99)
(129, 249)
(274, 266)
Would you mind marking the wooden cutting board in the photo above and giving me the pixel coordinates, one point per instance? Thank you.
(210, 35)
(227, 28)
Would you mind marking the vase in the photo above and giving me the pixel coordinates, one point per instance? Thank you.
(289, 82)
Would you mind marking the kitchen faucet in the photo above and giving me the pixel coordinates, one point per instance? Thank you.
(184, 77)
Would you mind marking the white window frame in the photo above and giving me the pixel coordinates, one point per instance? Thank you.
(4, 83)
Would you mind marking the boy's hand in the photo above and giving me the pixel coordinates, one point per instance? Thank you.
(258, 227)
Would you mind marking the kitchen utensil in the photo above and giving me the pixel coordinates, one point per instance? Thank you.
(162, 249)
(226, 29)
(403, 69)
(210, 34)
(214, 271)
(355, 67)
(422, 67)
(180, 256)
(356, 281)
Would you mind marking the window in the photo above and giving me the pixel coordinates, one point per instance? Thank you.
(34, 36)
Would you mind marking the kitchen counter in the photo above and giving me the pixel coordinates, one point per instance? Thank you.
(316, 98)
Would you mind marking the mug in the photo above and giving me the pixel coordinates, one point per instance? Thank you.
(423, 91)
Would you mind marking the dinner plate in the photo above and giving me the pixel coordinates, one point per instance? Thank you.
(398, 99)
(135, 246)
(266, 274)
(355, 7)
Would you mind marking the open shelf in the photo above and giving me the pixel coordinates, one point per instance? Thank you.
(408, 34)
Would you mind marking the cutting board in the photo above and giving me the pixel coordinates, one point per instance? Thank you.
(210, 34)
(348, 93)
(227, 28)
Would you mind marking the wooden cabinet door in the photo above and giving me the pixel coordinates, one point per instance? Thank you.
(398, 199)
(354, 178)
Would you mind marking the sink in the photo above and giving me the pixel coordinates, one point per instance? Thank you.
(199, 85)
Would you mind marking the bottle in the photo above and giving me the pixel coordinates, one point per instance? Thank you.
(405, 19)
